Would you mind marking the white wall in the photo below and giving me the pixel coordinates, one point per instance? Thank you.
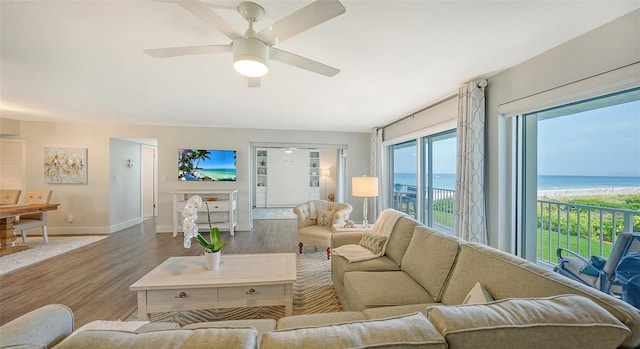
(611, 46)
(96, 205)
(124, 182)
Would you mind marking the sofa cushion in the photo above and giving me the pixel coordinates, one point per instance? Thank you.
(260, 325)
(507, 276)
(430, 258)
(340, 265)
(200, 338)
(565, 321)
(307, 320)
(400, 238)
(411, 331)
(397, 310)
(325, 218)
(369, 289)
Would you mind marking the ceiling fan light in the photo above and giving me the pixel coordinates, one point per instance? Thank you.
(250, 57)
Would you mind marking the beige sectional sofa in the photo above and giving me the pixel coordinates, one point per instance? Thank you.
(411, 297)
(428, 271)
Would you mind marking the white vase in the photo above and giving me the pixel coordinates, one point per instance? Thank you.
(213, 259)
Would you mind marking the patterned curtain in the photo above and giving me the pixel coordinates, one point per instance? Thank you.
(470, 223)
(376, 171)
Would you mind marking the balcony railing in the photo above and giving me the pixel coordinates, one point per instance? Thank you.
(439, 206)
(583, 229)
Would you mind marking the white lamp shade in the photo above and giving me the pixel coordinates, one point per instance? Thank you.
(250, 57)
(325, 172)
(364, 186)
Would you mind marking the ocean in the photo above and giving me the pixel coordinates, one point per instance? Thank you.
(545, 182)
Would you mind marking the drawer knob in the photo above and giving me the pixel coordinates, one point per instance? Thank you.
(181, 295)
(251, 291)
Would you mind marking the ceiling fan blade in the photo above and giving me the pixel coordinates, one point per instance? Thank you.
(301, 62)
(305, 18)
(253, 82)
(187, 50)
(203, 12)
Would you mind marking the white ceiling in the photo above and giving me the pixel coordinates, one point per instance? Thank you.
(83, 60)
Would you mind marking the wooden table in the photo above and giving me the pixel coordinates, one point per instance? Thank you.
(242, 280)
(7, 217)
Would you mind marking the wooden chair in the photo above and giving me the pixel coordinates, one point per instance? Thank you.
(35, 220)
(9, 196)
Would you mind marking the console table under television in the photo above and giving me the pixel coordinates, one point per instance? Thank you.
(224, 209)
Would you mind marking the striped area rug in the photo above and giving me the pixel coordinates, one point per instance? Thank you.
(313, 292)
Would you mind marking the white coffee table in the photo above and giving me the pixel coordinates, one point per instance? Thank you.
(242, 280)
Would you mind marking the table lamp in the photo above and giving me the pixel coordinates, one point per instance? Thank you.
(365, 187)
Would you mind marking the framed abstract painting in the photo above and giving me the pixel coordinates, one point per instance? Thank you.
(65, 165)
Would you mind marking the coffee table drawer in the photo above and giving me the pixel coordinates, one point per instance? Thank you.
(178, 296)
(250, 292)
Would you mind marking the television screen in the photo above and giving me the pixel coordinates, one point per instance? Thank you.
(206, 165)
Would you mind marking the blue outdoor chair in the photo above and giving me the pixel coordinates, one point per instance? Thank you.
(599, 273)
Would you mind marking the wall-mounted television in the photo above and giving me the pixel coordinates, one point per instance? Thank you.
(206, 165)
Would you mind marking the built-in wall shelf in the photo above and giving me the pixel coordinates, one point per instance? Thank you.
(314, 175)
(261, 178)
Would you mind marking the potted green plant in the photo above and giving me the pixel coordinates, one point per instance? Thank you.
(215, 244)
(190, 230)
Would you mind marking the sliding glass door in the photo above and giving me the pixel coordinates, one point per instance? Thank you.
(404, 177)
(579, 176)
(423, 179)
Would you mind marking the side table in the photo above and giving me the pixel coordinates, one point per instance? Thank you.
(340, 228)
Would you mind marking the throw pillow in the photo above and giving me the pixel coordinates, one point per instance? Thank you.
(373, 242)
(325, 218)
(589, 269)
(598, 262)
(478, 295)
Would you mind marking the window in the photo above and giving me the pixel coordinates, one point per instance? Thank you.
(423, 179)
(440, 180)
(404, 177)
(578, 176)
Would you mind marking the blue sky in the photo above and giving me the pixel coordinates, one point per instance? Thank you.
(220, 159)
(599, 142)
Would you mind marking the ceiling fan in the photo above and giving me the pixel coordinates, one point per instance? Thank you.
(252, 51)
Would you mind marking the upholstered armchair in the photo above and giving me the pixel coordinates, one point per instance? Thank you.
(316, 219)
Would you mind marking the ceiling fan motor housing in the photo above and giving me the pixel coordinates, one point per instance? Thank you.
(250, 57)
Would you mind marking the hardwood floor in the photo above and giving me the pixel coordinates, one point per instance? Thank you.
(94, 280)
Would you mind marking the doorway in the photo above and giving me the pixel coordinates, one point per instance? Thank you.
(324, 171)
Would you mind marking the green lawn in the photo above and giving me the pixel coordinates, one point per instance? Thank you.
(547, 253)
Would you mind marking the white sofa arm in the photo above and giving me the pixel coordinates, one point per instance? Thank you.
(43, 327)
(346, 238)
